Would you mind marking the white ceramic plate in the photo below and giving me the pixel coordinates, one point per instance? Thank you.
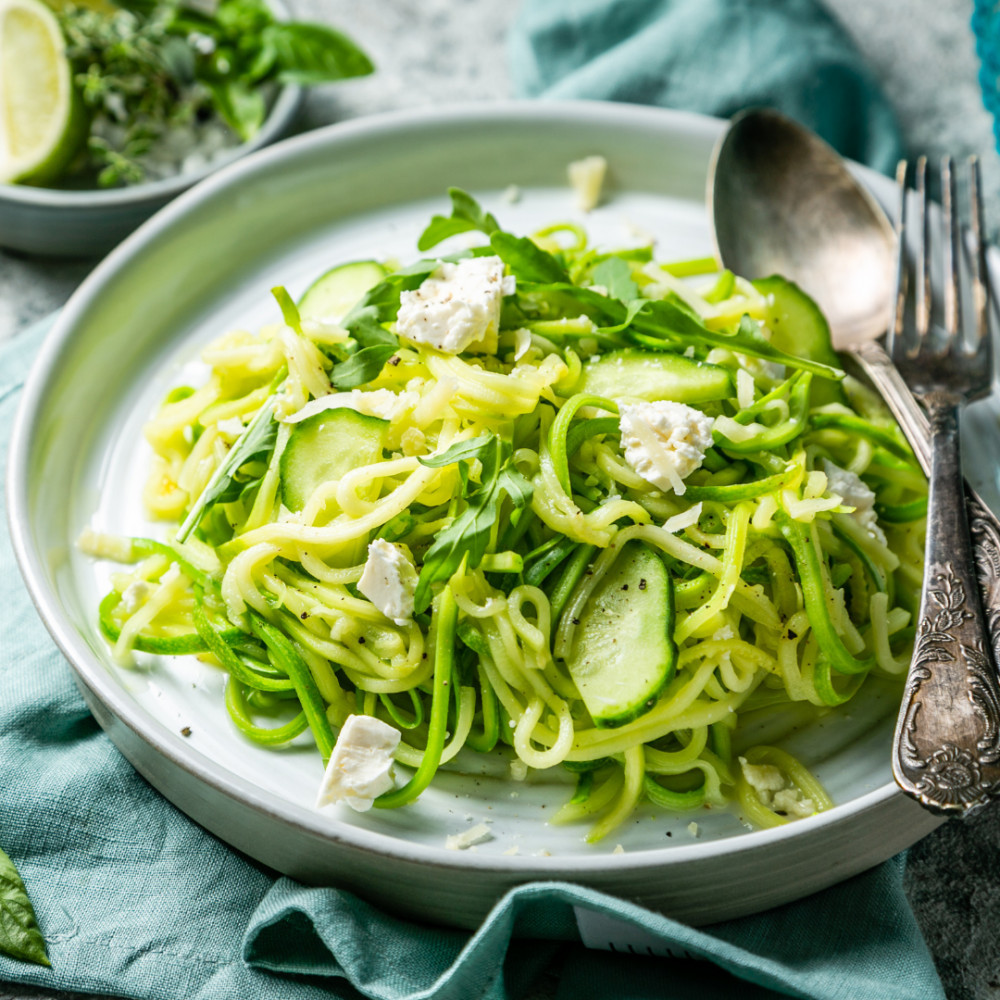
(204, 265)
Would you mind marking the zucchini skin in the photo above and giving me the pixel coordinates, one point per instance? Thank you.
(607, 717)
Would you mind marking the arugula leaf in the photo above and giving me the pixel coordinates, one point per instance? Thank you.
(374, 345)
(256, 441)
(361, 367)
(468, 535)
(466, 216)
(616, 276)
(528, 261)
(459, 451)
(665, 323)
(313, 53)
(19, 934)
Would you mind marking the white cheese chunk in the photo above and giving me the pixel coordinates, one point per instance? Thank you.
(854, 493)
(586, 177)
(389, 581)
(775, 791)
(478, 834)
(685, 519)
(664, 441)
(360, 768)
(457, 308)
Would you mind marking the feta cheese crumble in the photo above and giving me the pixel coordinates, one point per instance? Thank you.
(586, 177)
(457, 308)
(775, 791)
(478, 834)
(664, 441)
(360, 768)
(854, 493)
(389, 580)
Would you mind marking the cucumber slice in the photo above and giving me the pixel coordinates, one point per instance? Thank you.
(799, 327)
(325, 446)
(624, 651)
(655, 376)
(332, 295)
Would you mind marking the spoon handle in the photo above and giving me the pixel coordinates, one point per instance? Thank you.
(955, 770)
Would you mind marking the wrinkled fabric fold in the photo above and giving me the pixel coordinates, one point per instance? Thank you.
(711, 56)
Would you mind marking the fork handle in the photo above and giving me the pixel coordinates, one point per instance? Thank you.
(946, 749)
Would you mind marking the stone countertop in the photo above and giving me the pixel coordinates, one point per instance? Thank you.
(433, 52)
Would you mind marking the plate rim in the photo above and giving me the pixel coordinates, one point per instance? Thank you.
(102, 685)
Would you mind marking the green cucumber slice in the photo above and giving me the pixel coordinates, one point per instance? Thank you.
(624, 650)
(799, 327)
(325, 446)
(332, 295)
(652, 376)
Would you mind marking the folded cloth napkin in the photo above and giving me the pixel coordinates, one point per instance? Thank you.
(136, 900)
(712, 56)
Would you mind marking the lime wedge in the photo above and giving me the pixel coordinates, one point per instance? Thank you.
(41, 121)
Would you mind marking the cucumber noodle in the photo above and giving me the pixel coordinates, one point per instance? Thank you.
(783, 598)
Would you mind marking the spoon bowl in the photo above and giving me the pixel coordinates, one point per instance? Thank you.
(783, 202)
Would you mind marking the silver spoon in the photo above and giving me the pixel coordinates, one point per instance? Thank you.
(783, 202)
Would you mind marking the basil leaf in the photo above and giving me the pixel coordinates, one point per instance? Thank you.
(19, 934)
(616, 276)
(362, 366)
(466, 216)
(528, 261)
(256, 441)
(313, 53)
(240, 106)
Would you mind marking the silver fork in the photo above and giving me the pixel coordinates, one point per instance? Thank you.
(947, 744)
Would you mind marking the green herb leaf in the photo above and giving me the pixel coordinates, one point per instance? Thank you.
(361, 367)
(528, 261)
(256, 441)
(616, 276)
(515, 486)
(19, 934)
(665, 322)
(314, 53)
(240, 105)
(466, 216)
(460, 451)
(468, 536)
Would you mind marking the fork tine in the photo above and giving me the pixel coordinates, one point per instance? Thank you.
(923, 297)
(980, 285)
(896, 327)
(952, 291)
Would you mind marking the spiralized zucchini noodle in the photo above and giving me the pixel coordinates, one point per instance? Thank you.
(576, 600)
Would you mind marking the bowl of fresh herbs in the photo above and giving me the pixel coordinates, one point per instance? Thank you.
(109, 110)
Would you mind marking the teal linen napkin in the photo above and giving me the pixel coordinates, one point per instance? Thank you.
(712, 56)
(136, 900)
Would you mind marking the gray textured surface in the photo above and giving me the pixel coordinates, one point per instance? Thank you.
(439, 51)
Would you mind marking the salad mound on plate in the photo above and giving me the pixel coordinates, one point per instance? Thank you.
(534, 498)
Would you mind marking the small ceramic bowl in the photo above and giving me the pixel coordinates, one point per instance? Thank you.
(55, 222)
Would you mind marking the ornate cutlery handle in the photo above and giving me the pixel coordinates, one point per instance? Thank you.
(947, 745)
